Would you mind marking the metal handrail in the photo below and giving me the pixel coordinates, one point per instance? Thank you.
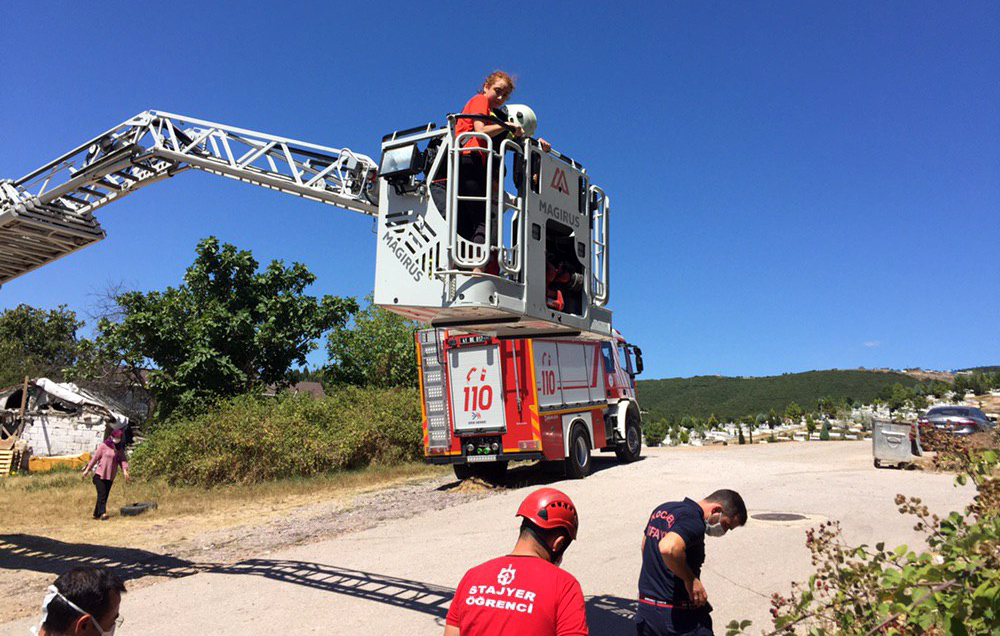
(465, 253)
(600, 209)
(511, 259)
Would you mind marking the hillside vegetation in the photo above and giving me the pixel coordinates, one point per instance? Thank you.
(701, 396)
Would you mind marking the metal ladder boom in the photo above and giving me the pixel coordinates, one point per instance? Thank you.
(48, 213)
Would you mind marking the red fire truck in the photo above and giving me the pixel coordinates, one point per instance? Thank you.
(487, 401)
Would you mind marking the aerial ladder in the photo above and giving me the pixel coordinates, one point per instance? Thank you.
(541, 269)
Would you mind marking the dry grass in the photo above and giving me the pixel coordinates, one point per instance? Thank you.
(58, 505)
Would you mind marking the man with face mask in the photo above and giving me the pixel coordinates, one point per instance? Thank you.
(525, 593)
(82, 602)
(672, 599)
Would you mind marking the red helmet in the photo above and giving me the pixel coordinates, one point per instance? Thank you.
(549, 508)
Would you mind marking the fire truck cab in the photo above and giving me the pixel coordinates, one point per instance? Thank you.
(487, 401)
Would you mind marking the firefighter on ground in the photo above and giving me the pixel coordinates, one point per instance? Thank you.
(525, 593)
(672, 599)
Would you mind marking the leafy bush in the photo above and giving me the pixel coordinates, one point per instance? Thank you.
(654, 431)
(249, 439)
(950, 587)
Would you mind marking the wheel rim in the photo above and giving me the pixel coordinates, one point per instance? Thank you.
(632, 436)
(582, 453)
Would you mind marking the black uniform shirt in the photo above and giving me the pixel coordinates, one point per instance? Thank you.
(686, 519)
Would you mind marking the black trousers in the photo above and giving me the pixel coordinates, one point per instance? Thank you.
(665, 622)
(103, 489)
(471, 222)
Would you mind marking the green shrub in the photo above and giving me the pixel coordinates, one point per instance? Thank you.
(655, 430)
(948, 585)
(250, 439)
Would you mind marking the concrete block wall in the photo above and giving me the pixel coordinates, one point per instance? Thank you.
(60, 434)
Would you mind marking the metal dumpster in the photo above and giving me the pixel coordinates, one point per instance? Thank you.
(891, 443)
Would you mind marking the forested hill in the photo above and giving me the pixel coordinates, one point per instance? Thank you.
(704, 395)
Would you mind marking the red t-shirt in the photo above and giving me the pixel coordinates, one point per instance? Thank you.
(520, 595)
(478, 105)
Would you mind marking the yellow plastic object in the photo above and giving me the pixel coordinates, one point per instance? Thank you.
(45, 464)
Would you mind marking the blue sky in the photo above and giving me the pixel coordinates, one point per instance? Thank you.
(796, 185)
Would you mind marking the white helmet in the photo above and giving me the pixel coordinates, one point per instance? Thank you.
(523, 116)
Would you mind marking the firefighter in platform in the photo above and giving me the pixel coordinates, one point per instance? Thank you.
(525, 593)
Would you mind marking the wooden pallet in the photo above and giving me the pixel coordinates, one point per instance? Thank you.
(10, 461)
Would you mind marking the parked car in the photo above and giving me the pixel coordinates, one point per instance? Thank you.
(959, 420)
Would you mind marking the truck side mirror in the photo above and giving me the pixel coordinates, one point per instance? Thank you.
(638, 359)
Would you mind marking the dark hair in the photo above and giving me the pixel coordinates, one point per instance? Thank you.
(543, 535)
(87, 587)
(731, 502)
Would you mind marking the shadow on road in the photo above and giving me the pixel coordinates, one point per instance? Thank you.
(41, 554)
(543, 473)
(605, 614)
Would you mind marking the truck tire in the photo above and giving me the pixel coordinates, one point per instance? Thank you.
(493, 472)
(631, 448)
(578, 463)
(137, 508)
(462, 471)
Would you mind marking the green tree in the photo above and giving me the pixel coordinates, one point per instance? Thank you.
(960, 386)
(748, 421)
(228, 329)
(978, 384)
(827, 406)
(655, 430)
(739, 429)
(810, 424)
(773, 419)
(794, 413)
(898, 397)
(378, 350)
(824, 433)
(36, 342)
(760, 421)
(712, 423)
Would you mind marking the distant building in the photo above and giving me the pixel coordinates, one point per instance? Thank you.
(59, 418)
(312, 389)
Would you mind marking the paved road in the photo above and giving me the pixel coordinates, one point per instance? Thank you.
(397, 579)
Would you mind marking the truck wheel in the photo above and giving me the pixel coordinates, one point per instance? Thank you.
(578, 462)
(462, 471)
(631, 449)
(492, 472)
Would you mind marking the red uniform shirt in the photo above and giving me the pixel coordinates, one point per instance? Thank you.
(478, 105)
(520, 595)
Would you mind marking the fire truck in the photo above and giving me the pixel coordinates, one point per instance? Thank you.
(521, 361)
(487, 401)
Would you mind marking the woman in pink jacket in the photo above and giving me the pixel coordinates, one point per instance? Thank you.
(108, 456)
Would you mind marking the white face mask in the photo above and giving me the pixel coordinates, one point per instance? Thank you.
(54, 592)
(715, 529)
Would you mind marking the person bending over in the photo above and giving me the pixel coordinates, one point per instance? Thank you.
(672, 599)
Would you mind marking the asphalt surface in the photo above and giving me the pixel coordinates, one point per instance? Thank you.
(398, 578)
